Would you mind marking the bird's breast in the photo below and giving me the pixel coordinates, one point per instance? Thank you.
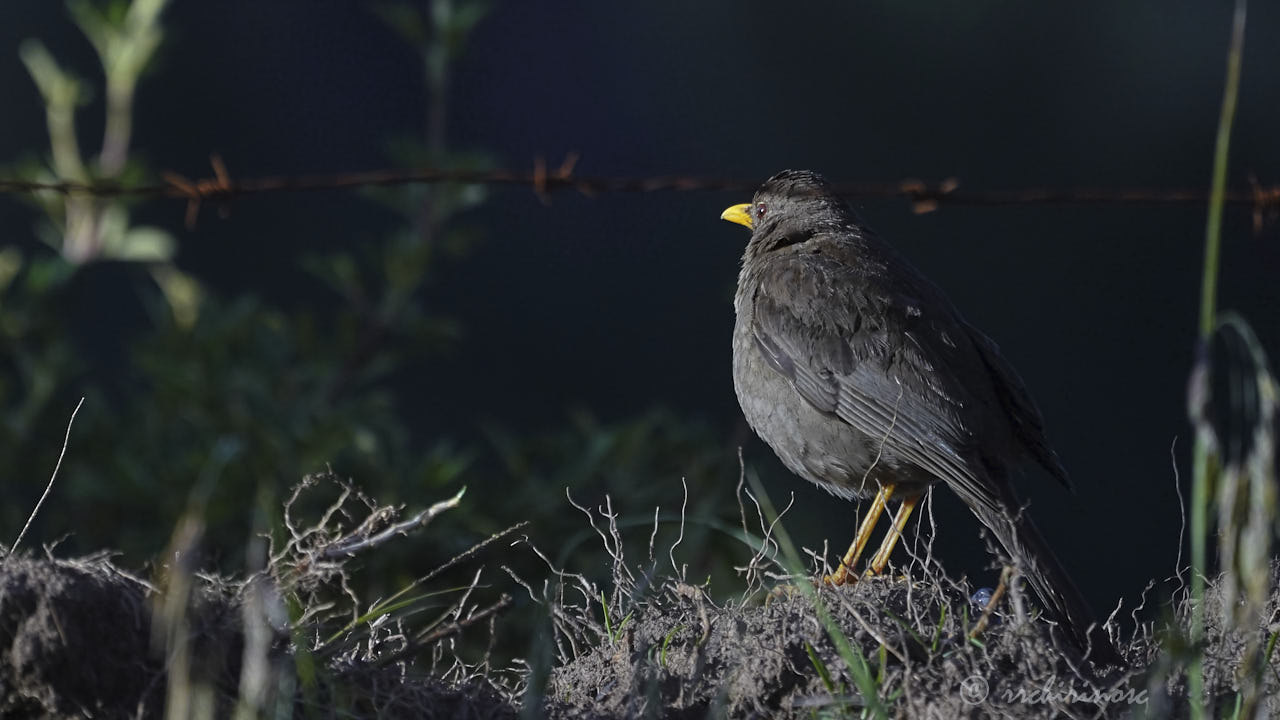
(816, 446)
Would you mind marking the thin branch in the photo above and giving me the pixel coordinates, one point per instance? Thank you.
(351, 546)
(445, 631)
(65, 441)
(671, 551)
(463, 556)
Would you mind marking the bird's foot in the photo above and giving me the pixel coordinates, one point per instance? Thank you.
(842, 576)
(872, 572)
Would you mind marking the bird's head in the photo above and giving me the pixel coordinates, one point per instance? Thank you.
(789, 208)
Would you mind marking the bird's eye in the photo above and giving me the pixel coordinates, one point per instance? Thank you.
(760, 210)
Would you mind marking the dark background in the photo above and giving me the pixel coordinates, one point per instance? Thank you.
(621, 302)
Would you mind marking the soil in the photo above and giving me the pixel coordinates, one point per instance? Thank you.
(77, 640)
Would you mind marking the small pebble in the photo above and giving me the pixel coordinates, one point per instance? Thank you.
(980, 600)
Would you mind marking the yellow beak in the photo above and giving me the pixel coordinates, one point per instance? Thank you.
(740, 214)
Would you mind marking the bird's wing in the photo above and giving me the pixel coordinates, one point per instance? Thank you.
(862, 350)
(1024, 416)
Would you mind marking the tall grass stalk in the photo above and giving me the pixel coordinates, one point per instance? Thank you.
(1203, 457)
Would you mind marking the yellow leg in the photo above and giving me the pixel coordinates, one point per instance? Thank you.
(891, 538)
(868, 524)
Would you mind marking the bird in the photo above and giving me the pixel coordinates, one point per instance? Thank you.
(865, 380)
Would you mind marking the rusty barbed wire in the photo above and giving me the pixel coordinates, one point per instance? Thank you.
(924, 197)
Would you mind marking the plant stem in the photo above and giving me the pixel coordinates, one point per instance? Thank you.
(1202, 457)
(1218, 189)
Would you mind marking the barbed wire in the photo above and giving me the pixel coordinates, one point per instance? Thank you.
(925, 197)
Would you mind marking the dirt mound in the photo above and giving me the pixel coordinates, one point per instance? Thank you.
(680, 656)
(79, 638)
(76, 640)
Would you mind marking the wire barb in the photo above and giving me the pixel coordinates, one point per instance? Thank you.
(1266, 203)
(219, 187)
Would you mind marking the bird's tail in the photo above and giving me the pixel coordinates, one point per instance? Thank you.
(1051, 583)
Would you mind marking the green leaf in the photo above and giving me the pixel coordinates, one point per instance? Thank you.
(182, 292)
(45, 274)
(10, 266)
(141, 244)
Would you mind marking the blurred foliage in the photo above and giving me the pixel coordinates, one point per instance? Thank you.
(640, 464)
(218, 402)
